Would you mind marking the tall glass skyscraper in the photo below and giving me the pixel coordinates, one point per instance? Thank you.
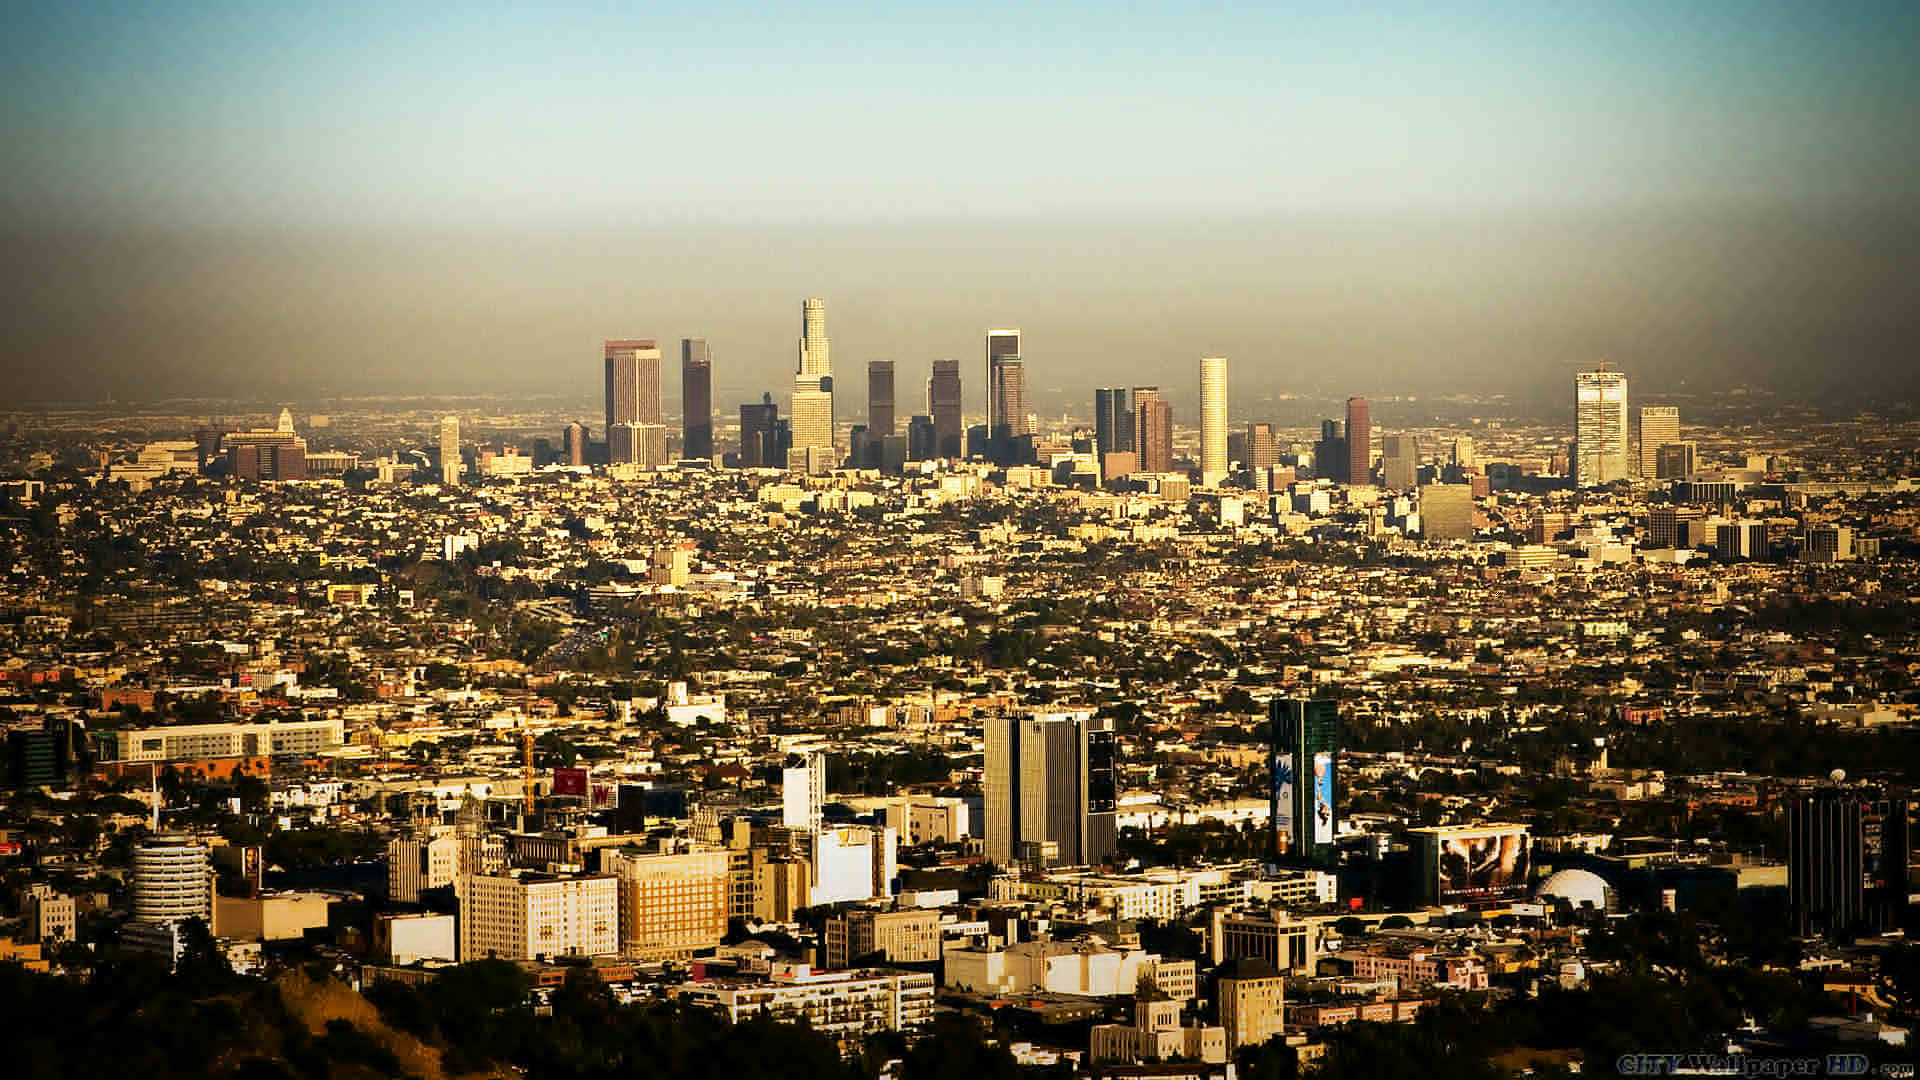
(1006, 386)
(1152, 429)
(450, 450)
(1112, 420)
(1050, 788)
(879, 399)
(1359, 443)
(943, 402)
(1659, 426)
(1600, 428)
(813, 415)
(633, 393)
(696, 399)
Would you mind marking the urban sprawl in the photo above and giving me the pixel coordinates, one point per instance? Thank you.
(1106, 745)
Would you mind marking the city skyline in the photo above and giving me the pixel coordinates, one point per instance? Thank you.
(1371, 541)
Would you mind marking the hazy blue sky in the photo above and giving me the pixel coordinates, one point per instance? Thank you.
(215, 196)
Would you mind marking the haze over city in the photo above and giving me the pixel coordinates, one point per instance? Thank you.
(236, 200)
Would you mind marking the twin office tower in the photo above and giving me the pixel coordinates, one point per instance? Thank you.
(635, 430)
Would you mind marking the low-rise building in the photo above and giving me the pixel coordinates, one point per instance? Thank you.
(845, 1005)
(895, 937)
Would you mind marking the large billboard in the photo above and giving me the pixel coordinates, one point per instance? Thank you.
(570, 782)
(1488, 865)
(1323, 798)
(1283, 794)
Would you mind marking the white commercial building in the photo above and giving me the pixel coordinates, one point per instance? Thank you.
(844, 1005)
(1161, 892)
(411, 939)
(853, 863)
(802, 793)
(194, 742)
(1088, 967)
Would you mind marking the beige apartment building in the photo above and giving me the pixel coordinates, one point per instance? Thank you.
(899, 937)
(670, 904)
(523, 916)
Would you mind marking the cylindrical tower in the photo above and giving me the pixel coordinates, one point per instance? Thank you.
(171, 879)
(1213, 420)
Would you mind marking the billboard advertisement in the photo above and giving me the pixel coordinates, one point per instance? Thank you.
(1283, 794)
(1323, 798)
(570, 782)
(1483, 865)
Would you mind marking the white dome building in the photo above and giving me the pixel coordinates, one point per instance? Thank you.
(1579, 888)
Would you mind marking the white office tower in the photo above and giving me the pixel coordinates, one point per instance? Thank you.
(852, 863)
(812, 422)
(803, 789)
(1600, 428)
(172, 880)
(1213, 420)
(1050, 788)
(450, 450)
(1659, 426)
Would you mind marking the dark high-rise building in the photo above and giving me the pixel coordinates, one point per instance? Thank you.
(1359, 443)
(1676, 461)
(1152, 430)
(206, 443)
(1330, 453)
(978, 441)
(574, 443)
(879, 398)
(696, 399)
(760, 436)
(633, 382)
(1674, 527)
(1847, 854)
(1006, 385)
(1303, 754)
(943, 401)
(862, 451)
(33, 758)
(1112, 420)
(922, 442)
(1050, 788)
